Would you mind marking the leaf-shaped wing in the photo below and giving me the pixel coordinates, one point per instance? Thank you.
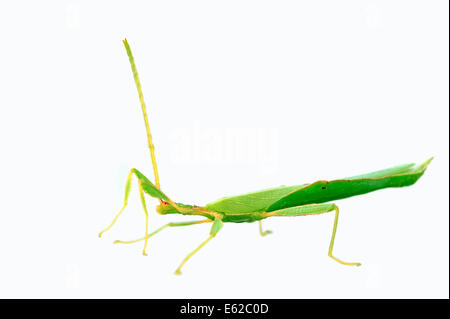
(251, 202)
(325, 191)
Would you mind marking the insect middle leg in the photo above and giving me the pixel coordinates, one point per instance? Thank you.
(161, 228)
(218, 224)
(314, 209)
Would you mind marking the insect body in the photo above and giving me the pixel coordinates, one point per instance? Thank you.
(298, 200)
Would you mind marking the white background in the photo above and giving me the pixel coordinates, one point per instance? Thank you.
(317, 90)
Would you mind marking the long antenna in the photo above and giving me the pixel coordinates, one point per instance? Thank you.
(144, 112)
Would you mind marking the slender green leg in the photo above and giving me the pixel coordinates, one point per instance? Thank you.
(330, 250)
(314, 209)
(263, 233)
(141, 193)
(214, 230)
(127, 193)
(178, 271)
(143, 182)
(161, 228)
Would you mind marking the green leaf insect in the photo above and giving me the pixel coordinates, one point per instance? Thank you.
(298, 200)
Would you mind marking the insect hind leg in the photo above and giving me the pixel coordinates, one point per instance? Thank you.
(315, 209)
(330, 250)
(261, 232)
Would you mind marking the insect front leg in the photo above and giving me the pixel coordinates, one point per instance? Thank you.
(127, 193)
(314, 209)
(145, 186)
(141, 193)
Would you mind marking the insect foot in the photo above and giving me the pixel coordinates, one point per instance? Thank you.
(343, 262)
(267, 232)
